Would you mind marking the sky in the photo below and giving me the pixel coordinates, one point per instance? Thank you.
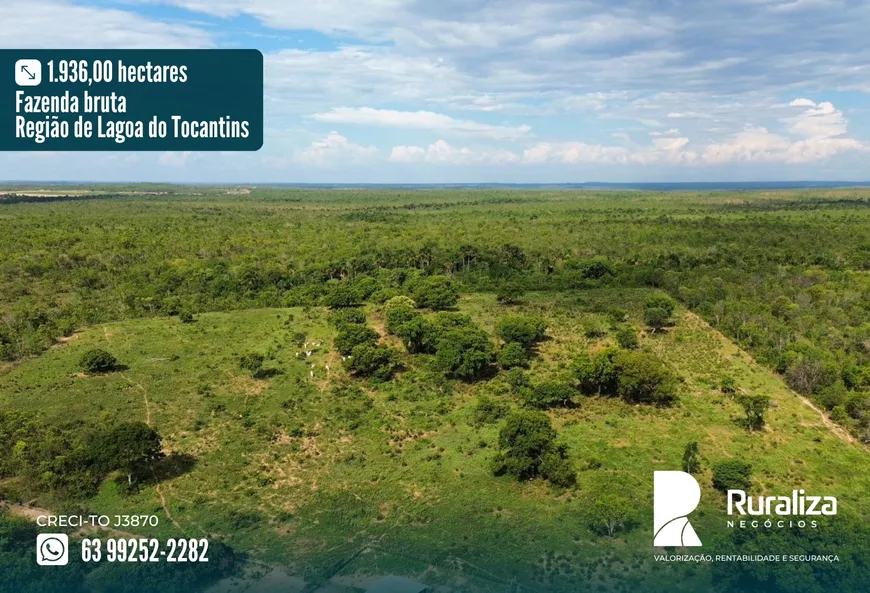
(512, 91)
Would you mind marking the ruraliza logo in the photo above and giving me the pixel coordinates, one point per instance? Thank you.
(676, 495)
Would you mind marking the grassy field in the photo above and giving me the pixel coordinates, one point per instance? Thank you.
(292, 471)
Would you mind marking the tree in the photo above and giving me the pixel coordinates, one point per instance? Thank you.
(418, 335)
(464, 353)
(627, 338)
(755, 407)
(810, 372)
(732, 474)
(598, 374)
(132, 448)
(97, 361)
(509, 293)
(251, 362)
(550, 394)
(643, 378)
(661, 301)
(611, 513)
(523, 329)
(342, 295)
(398, 311)
(371, 360)
(523, 441)
(513, 355)
(656, 318)
(351, 336)
(436, 293)
(691, 462)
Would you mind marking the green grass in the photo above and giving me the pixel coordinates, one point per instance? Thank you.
(280, 476)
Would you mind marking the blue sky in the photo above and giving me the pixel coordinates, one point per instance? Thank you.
(499, 90)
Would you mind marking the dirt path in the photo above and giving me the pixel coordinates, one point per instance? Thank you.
(166, 509)
(144, 394)
(160, 494)
(830, 424)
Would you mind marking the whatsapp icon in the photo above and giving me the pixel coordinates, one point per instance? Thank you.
(52, 549)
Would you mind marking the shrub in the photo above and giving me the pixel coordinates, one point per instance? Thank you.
(732, 474)
(627, 338)
(488, 410)
(350, 406)
(557, 468)
(351, 336)
(832, 396)
(617, 315)
(464, 353)
(436, 293)
(728, 385)
(97, 361)
(517, 380)
(839, 414)
(370, 360)
(593, 327)
(379, 297)
(349, 316)
(513, 355)
(551, 394)
(509, 293)
(185, 316)
(251, 362)
(857, 406)
(523, 329)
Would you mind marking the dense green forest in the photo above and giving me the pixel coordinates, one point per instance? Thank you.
(349, 382)
(784, 274)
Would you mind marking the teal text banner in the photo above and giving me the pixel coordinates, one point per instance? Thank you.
(131, 100)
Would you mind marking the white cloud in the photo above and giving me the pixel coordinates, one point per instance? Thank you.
(802, 103)
(662, 150)
(62, 24)
(820, 121)
(175, 159)
(419, 120)
(335, 149)
(758, 145)
(443, 153)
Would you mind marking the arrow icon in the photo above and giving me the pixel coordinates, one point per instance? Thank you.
(28, 72)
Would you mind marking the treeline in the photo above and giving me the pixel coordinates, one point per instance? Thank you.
(71, 460)
(789, 286)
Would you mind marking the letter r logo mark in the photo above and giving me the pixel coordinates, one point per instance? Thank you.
(676, 495)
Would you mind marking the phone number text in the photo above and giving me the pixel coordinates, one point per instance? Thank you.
(144, 550)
